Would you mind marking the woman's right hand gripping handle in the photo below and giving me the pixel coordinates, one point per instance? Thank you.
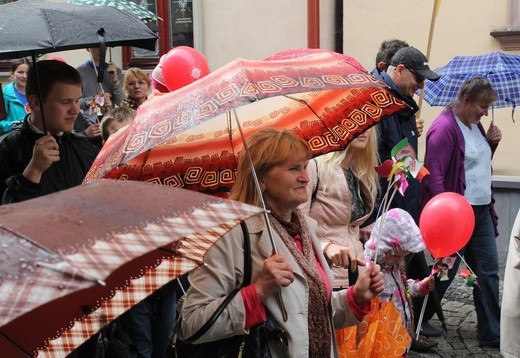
(275, 273)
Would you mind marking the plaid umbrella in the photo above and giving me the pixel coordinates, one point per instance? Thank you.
(500, 69)
(73, 261)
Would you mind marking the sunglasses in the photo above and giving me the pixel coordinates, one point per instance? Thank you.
(417, 76)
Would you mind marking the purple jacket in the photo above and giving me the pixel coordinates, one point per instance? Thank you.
(444, 158)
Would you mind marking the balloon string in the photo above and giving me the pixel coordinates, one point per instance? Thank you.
(385, 204)
(421, 316)
(381, 209)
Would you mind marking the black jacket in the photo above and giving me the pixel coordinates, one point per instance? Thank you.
(16, 149)
(391, 131)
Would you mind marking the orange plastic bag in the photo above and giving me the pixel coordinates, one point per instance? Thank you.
(381, 334)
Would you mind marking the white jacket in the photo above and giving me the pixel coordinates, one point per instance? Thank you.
(510, 315)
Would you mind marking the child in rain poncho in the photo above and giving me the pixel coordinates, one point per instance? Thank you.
(399, 237)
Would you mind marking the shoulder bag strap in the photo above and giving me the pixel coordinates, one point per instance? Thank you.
(315, 191)
(247, 280)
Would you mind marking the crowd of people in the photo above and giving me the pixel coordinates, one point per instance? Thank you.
(324, 214)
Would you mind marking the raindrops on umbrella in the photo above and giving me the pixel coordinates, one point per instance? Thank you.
(138, 10)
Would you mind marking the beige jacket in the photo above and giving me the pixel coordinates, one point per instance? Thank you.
(510, 315)
(223, 271)
(332, 209)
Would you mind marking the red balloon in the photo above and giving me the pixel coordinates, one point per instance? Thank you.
(182, 66)
(447, 222)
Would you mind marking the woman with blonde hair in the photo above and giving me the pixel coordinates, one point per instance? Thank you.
(342, 189)
(137, 86)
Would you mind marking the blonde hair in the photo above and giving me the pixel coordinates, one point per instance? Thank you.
(364, 161)
(137, 73)
(268, 147)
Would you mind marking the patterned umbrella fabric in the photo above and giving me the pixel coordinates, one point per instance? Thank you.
(500, 69)
(126, 5)
(189, 137)
(73, 261)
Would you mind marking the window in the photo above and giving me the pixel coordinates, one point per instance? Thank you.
(175, 28)
(513, 15)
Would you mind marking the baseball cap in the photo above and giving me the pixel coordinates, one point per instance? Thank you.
(414, 60)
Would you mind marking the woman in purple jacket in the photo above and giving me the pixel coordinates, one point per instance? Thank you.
(458, 156)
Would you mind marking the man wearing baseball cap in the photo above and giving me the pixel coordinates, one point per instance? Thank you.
(406, 74)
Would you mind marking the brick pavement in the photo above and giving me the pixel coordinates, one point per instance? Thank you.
(461, 320)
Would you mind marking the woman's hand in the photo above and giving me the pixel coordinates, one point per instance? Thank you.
(494, 134)
(276, 273)
(342, 256)
(368, 285)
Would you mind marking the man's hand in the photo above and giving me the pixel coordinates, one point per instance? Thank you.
(112, 69)
(420, 126)
(45, 152)
(92, 131)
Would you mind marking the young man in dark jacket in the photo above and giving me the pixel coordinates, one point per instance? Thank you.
(42, 155)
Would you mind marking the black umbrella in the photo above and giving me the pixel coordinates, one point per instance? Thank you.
(30, 27)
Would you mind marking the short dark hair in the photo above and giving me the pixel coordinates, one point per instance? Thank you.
(477, 89)
(388, 49)
(49, 73)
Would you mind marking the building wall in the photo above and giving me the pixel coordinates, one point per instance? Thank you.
(256, 29)
(462, 28)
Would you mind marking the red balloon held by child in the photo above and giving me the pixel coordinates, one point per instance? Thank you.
(182, 66)
(447, 222)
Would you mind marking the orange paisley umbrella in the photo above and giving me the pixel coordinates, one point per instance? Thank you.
(189, 138)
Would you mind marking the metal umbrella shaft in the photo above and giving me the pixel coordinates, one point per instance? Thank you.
(262, 202)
